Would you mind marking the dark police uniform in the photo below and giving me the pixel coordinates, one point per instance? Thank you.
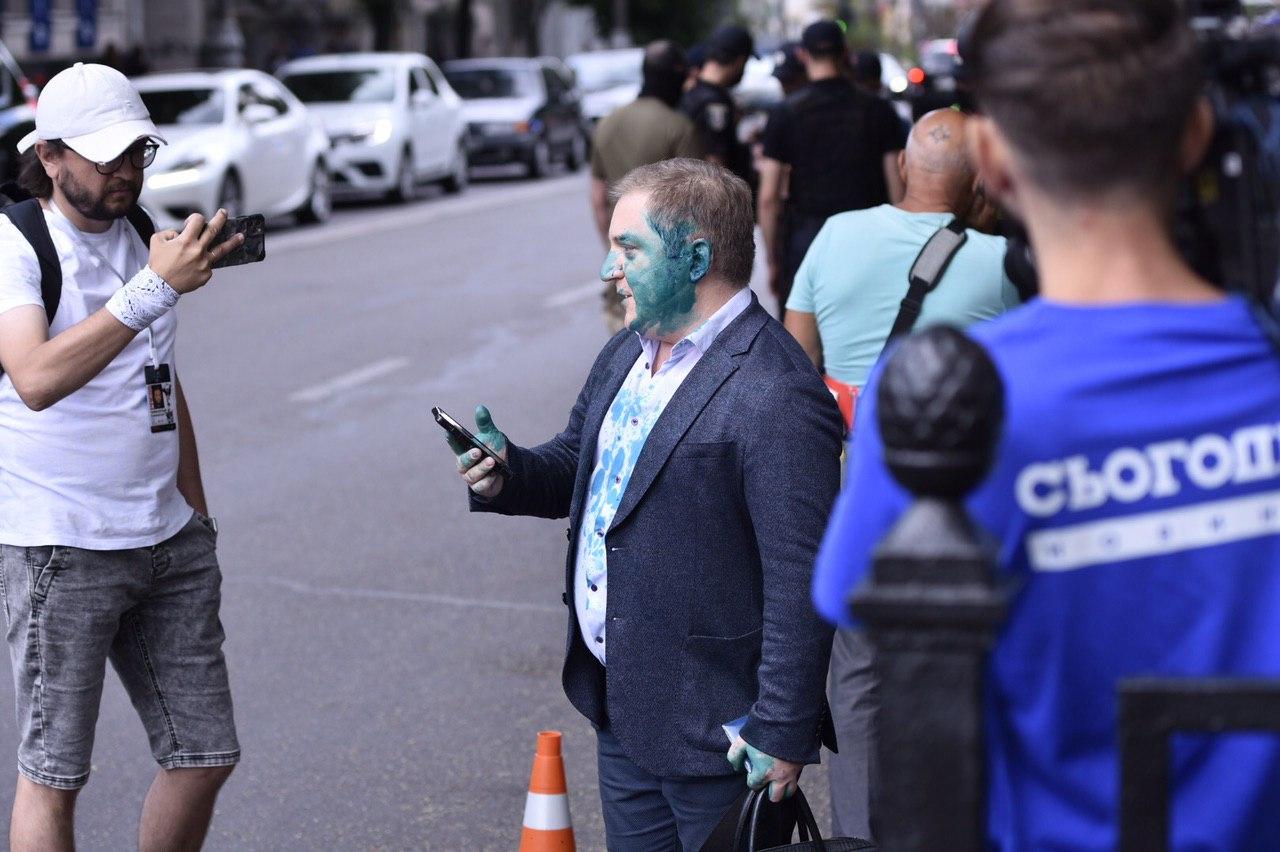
(716, 116)
(835, 138)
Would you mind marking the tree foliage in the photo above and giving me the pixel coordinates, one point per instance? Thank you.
(685, 21)
(383, 17)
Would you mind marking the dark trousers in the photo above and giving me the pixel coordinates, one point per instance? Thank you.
(645, 813)
(802, 230)
(854, 704)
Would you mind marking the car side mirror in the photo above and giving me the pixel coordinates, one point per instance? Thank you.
(422, 98)
(258, 113)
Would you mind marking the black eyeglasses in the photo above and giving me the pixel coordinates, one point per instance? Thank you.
(140, 156)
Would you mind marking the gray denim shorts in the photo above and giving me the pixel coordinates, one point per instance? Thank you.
(151, 611)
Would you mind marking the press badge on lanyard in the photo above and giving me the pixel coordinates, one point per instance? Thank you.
(159, 380)
(158, 377)
(160, 396)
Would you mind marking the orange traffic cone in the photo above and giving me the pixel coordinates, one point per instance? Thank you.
(547, 827)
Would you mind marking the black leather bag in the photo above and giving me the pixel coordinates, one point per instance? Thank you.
(758, 825)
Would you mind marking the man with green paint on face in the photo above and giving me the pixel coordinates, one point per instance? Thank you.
(697, 470)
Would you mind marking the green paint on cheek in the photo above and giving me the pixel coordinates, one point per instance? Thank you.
(662, 279)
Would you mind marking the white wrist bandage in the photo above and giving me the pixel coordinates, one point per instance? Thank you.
(142, 301)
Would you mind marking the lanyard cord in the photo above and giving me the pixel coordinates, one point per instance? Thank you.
(74, 233)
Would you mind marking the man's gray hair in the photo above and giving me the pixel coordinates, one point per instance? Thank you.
(714, 202)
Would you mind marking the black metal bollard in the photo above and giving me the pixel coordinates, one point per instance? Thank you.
(933, 604)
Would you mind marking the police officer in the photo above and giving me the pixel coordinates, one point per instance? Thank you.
(832, 146)
(788, 69)
(710, 104)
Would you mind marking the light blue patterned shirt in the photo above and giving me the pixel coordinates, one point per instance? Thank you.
(637, 407)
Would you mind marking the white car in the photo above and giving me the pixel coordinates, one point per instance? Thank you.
(238, 140)
(607, 79)
(393, 119)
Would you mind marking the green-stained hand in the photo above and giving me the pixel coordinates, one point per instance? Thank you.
(476, 468)
(781, 776)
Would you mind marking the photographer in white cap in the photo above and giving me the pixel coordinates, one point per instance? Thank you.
(106, 548)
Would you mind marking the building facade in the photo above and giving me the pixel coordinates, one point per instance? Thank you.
(161, 35)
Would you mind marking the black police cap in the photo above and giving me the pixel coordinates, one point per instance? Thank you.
(823, 38)
(730, 42)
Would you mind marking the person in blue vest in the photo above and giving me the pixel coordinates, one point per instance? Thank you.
(1136, 490)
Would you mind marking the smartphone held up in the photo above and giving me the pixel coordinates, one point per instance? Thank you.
(254, 247)
(463, 436)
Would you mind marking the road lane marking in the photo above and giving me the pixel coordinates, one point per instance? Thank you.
(350, 380)
(413, 217)
(574, 294)
(389, 595)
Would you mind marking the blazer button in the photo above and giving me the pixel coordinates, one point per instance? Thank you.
(568, 534)
(564, 598)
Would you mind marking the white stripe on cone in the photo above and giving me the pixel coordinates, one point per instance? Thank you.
(547, 812)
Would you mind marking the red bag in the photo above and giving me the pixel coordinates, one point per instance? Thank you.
(846, 398)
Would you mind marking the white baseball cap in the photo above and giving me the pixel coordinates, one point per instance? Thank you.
(95, 110)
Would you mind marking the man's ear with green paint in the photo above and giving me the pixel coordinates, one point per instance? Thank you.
(700, 255)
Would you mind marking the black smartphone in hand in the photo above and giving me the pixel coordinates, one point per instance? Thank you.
(254, 247)
(460, 432)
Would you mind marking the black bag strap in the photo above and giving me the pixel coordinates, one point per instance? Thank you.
(929, 267)
(746, 820)
(28, 217)
(808, 825)
(749, 820)
(141, 222)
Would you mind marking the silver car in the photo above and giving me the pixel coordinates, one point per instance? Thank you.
(17, 112)
(393, 120)
(237, 140)
(608, 79)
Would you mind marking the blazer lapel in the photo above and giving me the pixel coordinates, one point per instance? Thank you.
(600, 402)
(719, 362)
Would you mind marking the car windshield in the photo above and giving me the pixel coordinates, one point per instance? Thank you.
(190, 107)
(598, 71)
(358, 85)
(493, 82)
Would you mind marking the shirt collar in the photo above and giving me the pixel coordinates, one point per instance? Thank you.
(704, 335)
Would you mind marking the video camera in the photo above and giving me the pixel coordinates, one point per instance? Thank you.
(1227, 221)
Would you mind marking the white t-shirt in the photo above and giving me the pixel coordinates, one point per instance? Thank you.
(87, 471)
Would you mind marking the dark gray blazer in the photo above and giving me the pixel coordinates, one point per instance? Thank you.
(710, 553)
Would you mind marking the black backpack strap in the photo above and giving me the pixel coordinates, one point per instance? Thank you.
(11, 193)
(28, 217)
(929, 267)
(141, 222)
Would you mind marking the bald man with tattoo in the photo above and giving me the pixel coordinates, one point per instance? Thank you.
(846, 297)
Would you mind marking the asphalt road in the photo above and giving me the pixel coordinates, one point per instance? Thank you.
(392, 657)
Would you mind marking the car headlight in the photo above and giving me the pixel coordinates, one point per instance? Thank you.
(370, 133)
(180, 173)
